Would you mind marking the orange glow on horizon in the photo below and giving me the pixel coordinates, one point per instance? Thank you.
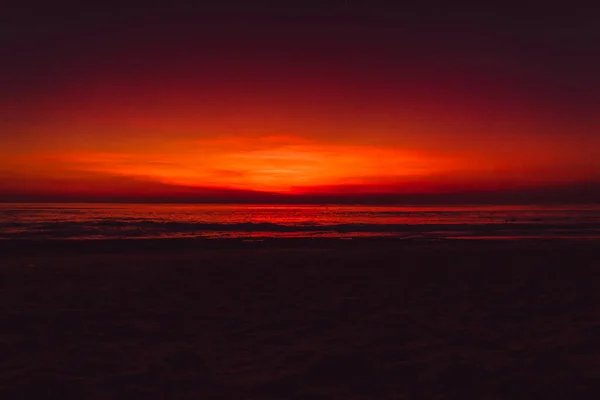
(277, 164)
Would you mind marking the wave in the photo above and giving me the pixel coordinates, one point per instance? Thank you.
(111, 228)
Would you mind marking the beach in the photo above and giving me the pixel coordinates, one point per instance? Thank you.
(300, 319)
(299, 200)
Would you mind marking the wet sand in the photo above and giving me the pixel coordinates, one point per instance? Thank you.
(300, 319)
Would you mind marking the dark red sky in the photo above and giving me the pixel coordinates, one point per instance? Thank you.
(141, 101)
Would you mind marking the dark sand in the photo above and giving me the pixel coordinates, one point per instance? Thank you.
(300, 319)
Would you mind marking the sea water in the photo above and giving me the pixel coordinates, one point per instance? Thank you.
(103, 221)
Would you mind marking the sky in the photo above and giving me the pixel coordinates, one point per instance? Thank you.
(280, 102)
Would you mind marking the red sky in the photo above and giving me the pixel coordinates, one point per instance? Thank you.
(324, 102)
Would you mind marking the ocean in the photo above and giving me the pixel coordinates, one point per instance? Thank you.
(113, 221)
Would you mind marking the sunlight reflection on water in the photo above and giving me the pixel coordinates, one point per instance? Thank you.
(221, 221)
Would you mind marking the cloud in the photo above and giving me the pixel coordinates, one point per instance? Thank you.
(269, 163)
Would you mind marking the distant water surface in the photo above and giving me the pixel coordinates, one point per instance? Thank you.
(103, 221)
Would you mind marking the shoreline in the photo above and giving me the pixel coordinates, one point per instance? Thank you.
(42, 247)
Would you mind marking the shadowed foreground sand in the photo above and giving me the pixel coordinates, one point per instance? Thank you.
(300, 320)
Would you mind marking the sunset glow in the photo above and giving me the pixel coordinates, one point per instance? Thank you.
(173, 109)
